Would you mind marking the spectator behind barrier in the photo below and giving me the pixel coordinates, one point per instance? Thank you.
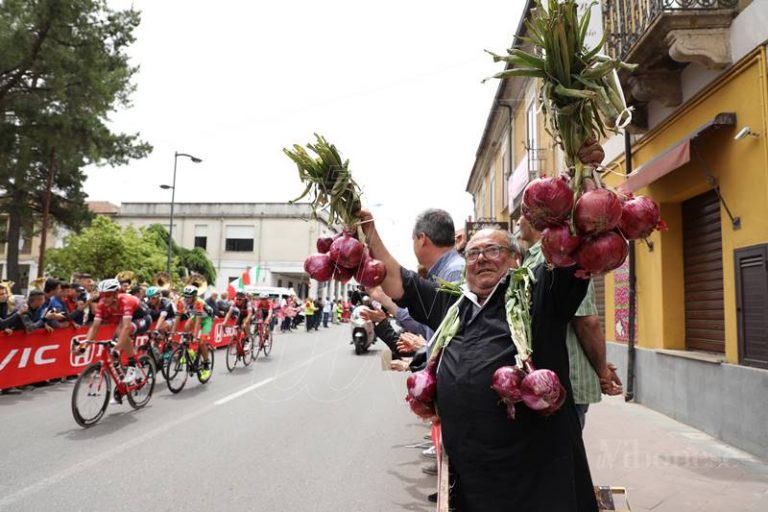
(35, 316)
(9, 316)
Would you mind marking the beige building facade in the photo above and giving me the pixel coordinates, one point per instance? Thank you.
(274, 238)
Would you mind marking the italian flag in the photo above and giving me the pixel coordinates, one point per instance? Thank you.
(249, 276)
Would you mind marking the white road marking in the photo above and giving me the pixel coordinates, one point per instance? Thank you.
(243, 391)
(141, 439)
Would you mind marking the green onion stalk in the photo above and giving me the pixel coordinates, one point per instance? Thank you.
(580, 93)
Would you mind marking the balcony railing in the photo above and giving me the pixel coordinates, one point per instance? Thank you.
(626, 21)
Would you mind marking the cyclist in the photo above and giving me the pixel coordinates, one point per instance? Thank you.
(242, 310)
(199, 324)
(264, 314)
(161, 309)
(129, 313)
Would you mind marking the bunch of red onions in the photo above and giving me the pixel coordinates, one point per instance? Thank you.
(422, 388)
(342, 258)
(540, 390)
(585, 224)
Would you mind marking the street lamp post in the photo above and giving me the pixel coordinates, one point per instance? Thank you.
(176, 156)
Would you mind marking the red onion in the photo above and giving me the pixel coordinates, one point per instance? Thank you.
(422, 386)
(558, 245)
(421, 409)
(597, 211)
(342, 274)
(506, 382)
(347, 251)
(601, 253)
(639, 217)
(319, 267)
(371, 273)
(542, 391)
(324, 245)
(547, 202)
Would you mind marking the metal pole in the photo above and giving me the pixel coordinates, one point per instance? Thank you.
(46, 213)
(170, 227)
(630, 394)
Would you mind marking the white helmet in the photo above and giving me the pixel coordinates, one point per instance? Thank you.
(190, 291)
(108, 285)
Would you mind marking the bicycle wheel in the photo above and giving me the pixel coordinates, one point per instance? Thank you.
(176, 370)
(90, 397)
(138, 398)
(268, 345)
(211, 355)
(247, 351)
(232, 355)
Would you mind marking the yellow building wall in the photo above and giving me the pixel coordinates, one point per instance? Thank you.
(741, 168)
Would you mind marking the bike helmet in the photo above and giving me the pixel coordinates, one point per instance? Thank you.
(152, 291)
(190, 291)
(240, 295)
(108, 285)
(263, 295)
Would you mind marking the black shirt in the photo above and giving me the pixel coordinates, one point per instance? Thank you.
(165, 305)
(531, 463)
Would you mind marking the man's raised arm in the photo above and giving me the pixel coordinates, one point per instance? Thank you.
(393, 284)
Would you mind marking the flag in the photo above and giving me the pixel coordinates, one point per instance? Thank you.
(248, 277)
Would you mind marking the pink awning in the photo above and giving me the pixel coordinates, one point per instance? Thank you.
(518, 180)
(671, 159)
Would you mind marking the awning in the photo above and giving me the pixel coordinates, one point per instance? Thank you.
(517, 181)
(674, 157)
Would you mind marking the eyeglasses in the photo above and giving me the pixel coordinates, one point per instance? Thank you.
(491, 252)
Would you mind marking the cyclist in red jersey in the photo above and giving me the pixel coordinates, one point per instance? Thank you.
(263, 308)
(128, 312)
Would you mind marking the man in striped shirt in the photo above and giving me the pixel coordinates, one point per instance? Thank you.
(590, 373)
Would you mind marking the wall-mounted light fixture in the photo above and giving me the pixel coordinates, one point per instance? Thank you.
(745, 132)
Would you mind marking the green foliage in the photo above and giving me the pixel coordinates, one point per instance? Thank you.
(193, 260)
(63, 70)
(104, 249)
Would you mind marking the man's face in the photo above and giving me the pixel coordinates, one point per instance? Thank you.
(154, 300)
(36, 302)
(109, 298)
(527, 232)
(3, 294)
(418, 246)
(483, 270)
(124, 287)
(87, 283)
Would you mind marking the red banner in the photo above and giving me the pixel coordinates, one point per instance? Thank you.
(40, 356)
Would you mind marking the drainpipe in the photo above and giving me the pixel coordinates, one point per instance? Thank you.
(510, 157)
(630, 393)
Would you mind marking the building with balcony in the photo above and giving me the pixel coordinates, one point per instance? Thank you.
(699, 147)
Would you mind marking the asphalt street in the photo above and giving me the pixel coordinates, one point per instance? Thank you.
(311, 428)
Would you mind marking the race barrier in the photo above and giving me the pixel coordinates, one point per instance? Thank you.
(26, 358)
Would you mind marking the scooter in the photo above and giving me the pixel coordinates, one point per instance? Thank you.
(362, 332)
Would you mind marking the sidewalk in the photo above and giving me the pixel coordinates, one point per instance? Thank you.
(667, 466)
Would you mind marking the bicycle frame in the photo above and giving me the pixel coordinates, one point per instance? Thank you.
(104, 356)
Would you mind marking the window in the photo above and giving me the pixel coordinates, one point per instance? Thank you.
(279, 283)
(481, 202)
(239, 238)
(25, 244)
(492, 192)
(3, 233)
(201, 236)
(505, 170)
(532, 139)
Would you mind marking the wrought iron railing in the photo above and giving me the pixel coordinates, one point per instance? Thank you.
(627, 20)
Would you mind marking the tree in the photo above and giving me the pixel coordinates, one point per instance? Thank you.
(193, 260)
(104, 249)
(63, 70)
